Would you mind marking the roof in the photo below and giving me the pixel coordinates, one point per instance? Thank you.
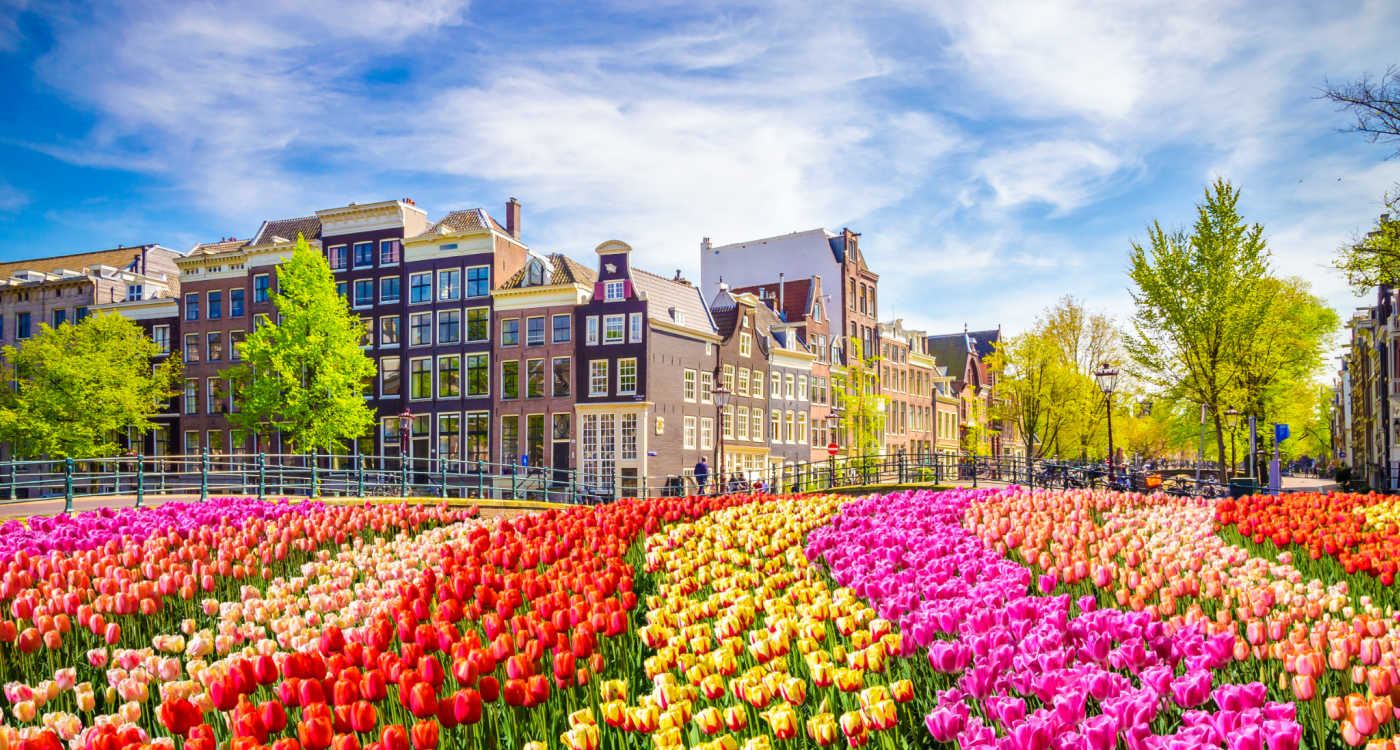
(119, 257)
(465, 220)
(562, 270)
(952, 349)
(796, 296)
(287, 229)
(666, 295)
(214, 248)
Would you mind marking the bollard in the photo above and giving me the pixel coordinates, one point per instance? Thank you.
(442, 472)
(140, 480)
(360, 474)
(67, 485)
(204, 474)
(403, 477)
(315, 476)
(262, 476)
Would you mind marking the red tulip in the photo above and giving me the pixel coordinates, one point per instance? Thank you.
(179, 715)
(345, 742)
(274, 716)
(363, 716)
(490, 689)
(223, 694)
(425, 735)
(422, 700)
(394, 737)
(314, 734)
(286, 743)
(538, 687)
(345, 692)
(466, 706)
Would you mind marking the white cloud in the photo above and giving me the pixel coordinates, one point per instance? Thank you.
(1066, 174)
(12, 199)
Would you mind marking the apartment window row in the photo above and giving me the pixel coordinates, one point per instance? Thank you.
(537, 384)
(697, 433)
(446, 376)
(219, 397)
(561, 327)
(424, 287)
(599, 377)
(210, 345)
(214, 301)
(615, 329)
(362, 254)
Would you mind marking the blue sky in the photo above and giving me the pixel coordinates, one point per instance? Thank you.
(995, 156)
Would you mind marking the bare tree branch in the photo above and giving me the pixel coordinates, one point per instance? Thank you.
(1374, 104)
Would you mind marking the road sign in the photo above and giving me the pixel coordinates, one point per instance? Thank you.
(832, 449)
(1280, 433)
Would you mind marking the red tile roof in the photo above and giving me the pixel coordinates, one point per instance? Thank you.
(796, 296)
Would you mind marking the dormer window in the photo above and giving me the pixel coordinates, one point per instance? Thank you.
(612, 291)
(535, 275)
(678, 316)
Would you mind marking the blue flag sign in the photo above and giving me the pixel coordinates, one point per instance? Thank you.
(1280, 433)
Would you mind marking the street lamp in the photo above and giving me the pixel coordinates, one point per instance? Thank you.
(1233, 417)
(1107, 378)
(833, 423)
(721, 397)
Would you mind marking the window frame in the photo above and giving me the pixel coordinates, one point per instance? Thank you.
(593, 376)
(568, 328)
(621, 390)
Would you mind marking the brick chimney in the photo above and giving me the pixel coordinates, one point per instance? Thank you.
(513, 218)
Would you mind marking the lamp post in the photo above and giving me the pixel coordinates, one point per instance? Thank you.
(721, 396)
(833, 423)
(1107, 378)
(1233, 417)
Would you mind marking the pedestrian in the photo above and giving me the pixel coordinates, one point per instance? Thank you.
(702, 474)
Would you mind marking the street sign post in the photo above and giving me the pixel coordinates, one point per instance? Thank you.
(1275, 473)
(832, 449)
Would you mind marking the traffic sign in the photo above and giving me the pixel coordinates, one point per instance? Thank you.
(832, 449)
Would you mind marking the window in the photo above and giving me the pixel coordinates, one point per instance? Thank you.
(534, 331)
(420, 288)
(707, 383)
(612, 329)
(598, 377)
(627, 376)
(364, 292)
(726, 422)
(336, 257)
(801, 428)
(562, 376)
(213, 397)
(612, 291)
(478, 374)
(342, 288)
(562, 324)
(389, 376)
(388, 289)
(79, 315)
(534, 378)
(133, 292)
(788, 391)
(216, 305)
(449, 376)
(510, 438)
(629, 437)
(592, 335)
(216, 346)
(745, 344)
(161, 335)
(261, 284)
(741, 423)
(775, 425)
(420, 378)
(707, 433)
(235, 346)
(534, 439)
(389, 330)
(742, 385)
(420, 329)
(776, 391)
(235, 303)
(191, 396)
(449, 436)
(756, 425)
(634, 328)
(688, 386)
(191, 347)
(478, 281)
(449, 326)
(510, 331)
(510, 379)
(60, 316)
(688, 433)
(388, 252)
(191, 306)
(364, 254)
(478, 435)
(561, 431)
(450, 284)
(727, 380)
(787, 428)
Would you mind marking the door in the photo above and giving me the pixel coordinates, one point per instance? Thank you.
(560, 462)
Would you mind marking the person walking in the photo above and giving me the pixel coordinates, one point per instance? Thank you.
(702, 474)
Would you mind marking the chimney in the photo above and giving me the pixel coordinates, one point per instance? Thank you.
(782, 310)
(513, 217)
(705, 245)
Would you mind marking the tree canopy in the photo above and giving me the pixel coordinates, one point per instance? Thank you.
(80, 387)
(303, 375)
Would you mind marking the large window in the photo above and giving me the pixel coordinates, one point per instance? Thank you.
(388, 252)
(534, 438)
(756, 425)
(562, 325)
(235, 303)
(727, 379)
(534, 378)
(510, 379)
(420, 287)
(364, 254)
(191, 396)
(726, 422)
(449, 436)
(478, 324)
(235, 346)
(612, 328)
(789, 392)
(22, 325)
(478, 281)
(389, 376)
(598, 377)
(261, 286)
(707, 433)
(450, 284)
(562, 376)
(161, 336)
(364, 292)
(627, 376)
(420, 378)
(213, 396)
(336, 257)
(478, 436)
(216, 305)
(775, 425)
(192, 306)
(389, 330)
(634, 330)
(216, 346)
(688, 385)
(707, 386)
(449, 326)
(191, 347)
(612, 291)
(688, 433)
(802, 387)
(478, 374)
(801, 427)
(742, 384)
(741, 423)
(389, 289)
(591, 337)
(510, 439)
(534, 331)
(745, 344)
(510, 332)
(420, 329)
(449, 376)
(788, 423)
(629, 437)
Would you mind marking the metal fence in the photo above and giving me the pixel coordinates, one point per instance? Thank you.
(136, 478)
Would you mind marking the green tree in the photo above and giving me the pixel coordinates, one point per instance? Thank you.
(1032, 379)
(862, 408)
(80, 387)
(1374, 259)
(1197, 300)
(304, 374)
